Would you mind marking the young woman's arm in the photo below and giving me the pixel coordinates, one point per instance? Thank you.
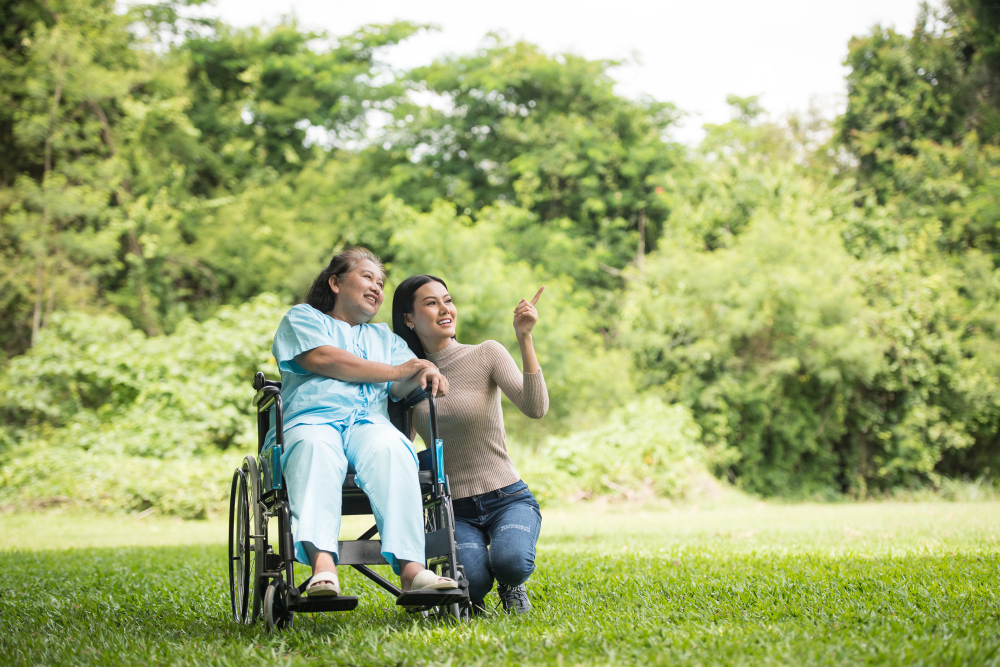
(528, 357)
(333, 362)
(525, 390)
(525, 318)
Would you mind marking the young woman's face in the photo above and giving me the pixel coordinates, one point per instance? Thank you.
(434, 315)
(359, 293)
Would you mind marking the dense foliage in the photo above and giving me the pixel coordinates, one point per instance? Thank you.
(815, 302)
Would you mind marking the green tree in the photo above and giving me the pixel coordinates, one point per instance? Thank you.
(258, 94)
(764, 339)
(545, 132)
(922, 121)
(72, 63)
(129, 142)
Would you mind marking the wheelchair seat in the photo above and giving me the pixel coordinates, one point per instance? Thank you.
(355, 502)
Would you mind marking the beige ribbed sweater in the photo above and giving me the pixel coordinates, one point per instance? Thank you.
(470, 421)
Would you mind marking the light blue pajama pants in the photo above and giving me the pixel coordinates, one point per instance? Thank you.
(315, 461)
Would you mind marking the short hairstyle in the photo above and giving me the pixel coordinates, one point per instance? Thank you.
(320, 296)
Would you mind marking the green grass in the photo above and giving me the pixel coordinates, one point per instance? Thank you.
(896, 583)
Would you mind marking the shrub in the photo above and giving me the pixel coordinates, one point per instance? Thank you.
(646, 448)
(100, 415)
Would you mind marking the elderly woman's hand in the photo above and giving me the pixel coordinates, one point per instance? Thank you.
(526, 316)
(433, 381)
(412, 367)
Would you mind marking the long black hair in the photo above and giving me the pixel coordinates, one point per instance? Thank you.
(320, 296)
(402, 303)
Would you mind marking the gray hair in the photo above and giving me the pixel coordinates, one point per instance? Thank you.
(320, 296)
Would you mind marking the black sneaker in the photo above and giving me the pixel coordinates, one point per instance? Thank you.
(514, 598)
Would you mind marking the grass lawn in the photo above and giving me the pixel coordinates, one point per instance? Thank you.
(898, 583)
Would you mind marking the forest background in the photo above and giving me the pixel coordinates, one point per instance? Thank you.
(804, 307)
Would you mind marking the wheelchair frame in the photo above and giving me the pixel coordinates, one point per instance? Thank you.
(262, 581)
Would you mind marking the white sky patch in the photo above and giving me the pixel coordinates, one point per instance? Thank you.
(690, 54)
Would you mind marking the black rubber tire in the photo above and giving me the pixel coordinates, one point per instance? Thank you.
(275, 615)
(239, 547)
(258, 539)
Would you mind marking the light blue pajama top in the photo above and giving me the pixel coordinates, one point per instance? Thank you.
(308, 398)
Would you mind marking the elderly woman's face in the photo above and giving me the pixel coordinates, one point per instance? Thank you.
(359, 293)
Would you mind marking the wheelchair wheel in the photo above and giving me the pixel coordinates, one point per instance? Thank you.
(276, 617)
(258, 538)
(239, 546)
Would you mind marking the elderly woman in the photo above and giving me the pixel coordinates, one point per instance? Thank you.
(338, 373)
(497, 520)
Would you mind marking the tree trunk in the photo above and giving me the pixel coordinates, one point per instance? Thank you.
(640, 257)
(135, 248)
(36, 319)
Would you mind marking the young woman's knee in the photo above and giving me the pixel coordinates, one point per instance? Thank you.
(512, 566)
(480, 579)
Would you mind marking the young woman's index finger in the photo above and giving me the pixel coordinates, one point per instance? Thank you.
(538, 296)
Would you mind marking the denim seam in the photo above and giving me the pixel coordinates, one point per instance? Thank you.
(501, 494)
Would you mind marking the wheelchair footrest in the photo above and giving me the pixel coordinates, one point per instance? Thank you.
(306, 604)
(432, 598)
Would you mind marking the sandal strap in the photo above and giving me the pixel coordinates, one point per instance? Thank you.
(427, 578)
(323, 578)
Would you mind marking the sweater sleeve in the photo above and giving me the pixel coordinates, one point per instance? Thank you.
(525, 390)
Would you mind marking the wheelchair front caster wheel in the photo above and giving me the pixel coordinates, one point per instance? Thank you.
(276, 617)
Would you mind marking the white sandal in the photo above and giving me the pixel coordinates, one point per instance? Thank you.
(323, 583)
(427, 580)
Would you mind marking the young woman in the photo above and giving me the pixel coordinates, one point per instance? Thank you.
(497, 518)
(337, 373)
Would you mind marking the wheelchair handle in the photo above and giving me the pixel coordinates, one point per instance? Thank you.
(417, 396)
(259, 382)
(432, 405)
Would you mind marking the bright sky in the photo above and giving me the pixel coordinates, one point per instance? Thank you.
(693, 54)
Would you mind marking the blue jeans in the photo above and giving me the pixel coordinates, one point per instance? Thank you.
(496, 534)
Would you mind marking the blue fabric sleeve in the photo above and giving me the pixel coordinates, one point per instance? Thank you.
(301, 329)
(399, 353)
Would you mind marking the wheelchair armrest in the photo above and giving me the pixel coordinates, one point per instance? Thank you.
(415, 397)
(263, 400)
(259, 382)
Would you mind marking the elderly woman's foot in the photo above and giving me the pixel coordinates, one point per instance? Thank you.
(413, 576)
(324, 580)
(427, 580)
(323, 583)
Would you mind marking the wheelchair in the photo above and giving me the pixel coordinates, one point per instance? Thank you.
(261, 566)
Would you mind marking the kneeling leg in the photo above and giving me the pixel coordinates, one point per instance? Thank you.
(474, 558)
(513, 538)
